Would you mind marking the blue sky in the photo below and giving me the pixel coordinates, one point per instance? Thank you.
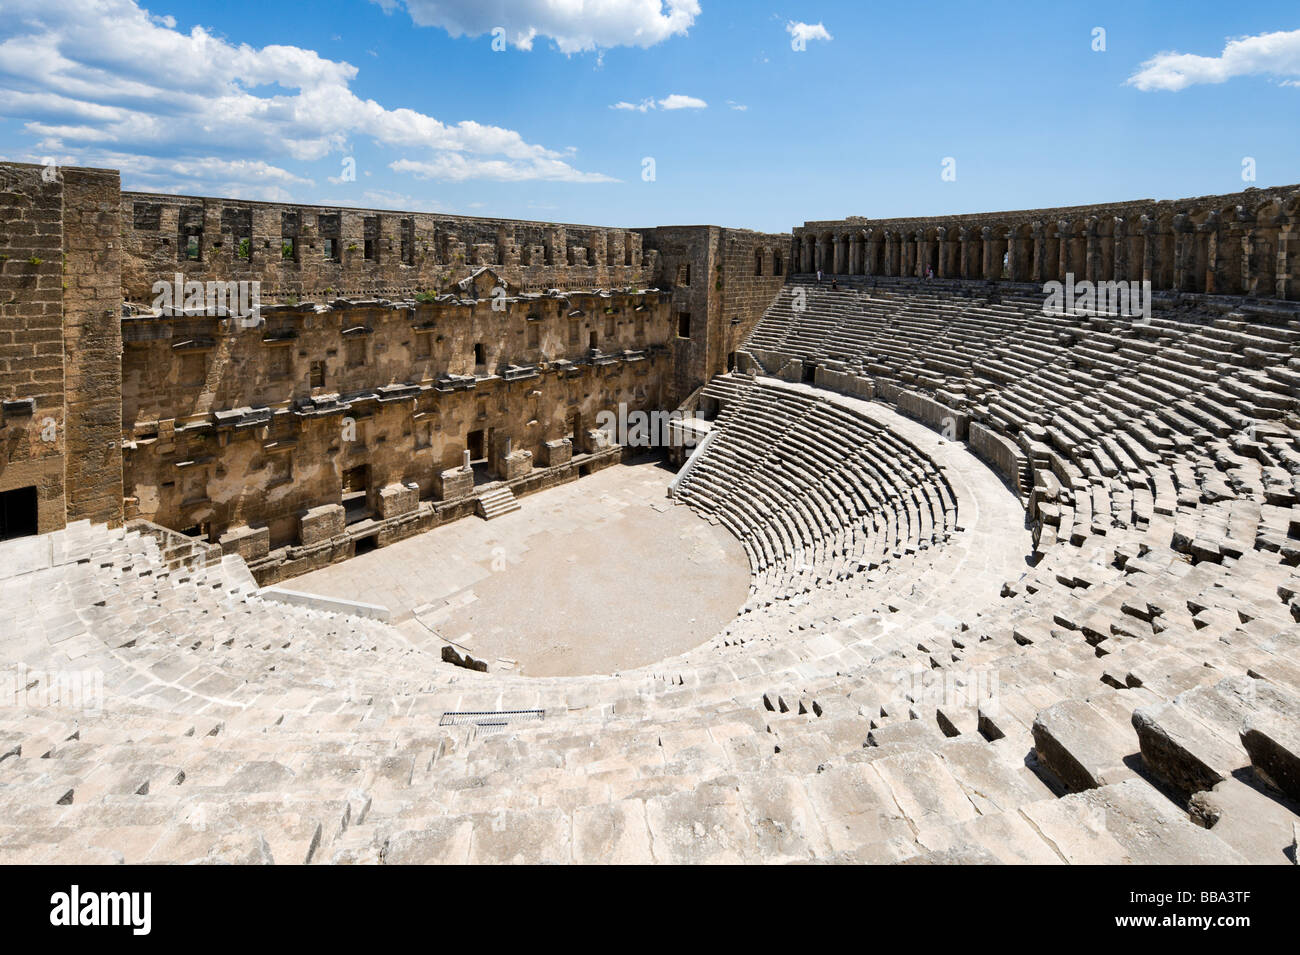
(266, 100)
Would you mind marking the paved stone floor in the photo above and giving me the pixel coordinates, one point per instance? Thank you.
(596, 576)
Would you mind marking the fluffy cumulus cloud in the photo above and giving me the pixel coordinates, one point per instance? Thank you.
(574, 26)
(672, 101)
(1269, 54)
(803, 32)
(103, 79)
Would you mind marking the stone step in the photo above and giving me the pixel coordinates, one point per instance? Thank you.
(495, 502)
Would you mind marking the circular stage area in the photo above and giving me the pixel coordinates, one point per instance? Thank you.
(593, 577)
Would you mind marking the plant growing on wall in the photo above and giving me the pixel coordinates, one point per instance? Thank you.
(245, 249)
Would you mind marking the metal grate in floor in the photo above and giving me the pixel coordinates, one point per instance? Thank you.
(491, 721)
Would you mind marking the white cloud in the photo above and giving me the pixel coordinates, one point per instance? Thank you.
(457, 167)
(575, 26)
(672, 101)
(740, 107)
(1275, 54)
(678, 101)
(803, 32)
(97, 77)
(640, 107)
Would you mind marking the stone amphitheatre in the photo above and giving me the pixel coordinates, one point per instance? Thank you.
(943, 574)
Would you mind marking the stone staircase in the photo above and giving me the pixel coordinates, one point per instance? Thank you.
(495, 501)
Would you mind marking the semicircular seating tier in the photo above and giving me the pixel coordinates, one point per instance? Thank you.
(932, 665)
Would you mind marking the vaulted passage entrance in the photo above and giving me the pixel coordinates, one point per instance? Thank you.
(17, 512)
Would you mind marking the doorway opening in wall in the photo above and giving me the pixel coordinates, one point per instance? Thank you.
(478, 443)
(356, 485)
(480, 360)
(584, 470)
(200, 531)
(731, 361)
(809, 373)
(365, 545)
(18, 512)
(593, 342)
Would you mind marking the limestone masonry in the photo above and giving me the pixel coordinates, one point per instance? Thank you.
(1023, 580)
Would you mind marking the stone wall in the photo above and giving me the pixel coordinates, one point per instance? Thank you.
(60, 344)
(754, 266)
(1002, 453)
(300, 251)
(92, 344)
(32, 420)
(1245, 243)
(257, 436)
(713, 276)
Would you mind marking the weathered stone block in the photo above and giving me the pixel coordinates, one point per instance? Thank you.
(556, 452)
(517, 464)
(319, 524)
(1274, 747)
(249, 543)
(453, 483)
(398, 499)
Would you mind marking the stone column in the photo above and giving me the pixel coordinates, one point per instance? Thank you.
(1038, 267)
(1150, 256)
(1245, 243)
(855, 254)
(1092, 253)
(1064, 230)
(1183, 250)
(1119, 238)
(1288, 238)
(1015, 255)
(1206, 274)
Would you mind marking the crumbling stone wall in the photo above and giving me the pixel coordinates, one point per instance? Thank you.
(299, 252)
(714, 277)
(687, 259)
(248, 435)
(754, 266)
(1244, 243)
